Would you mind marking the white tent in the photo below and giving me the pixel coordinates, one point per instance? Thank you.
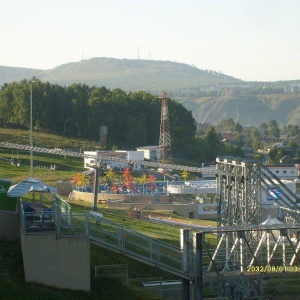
(271, 221)
(29, 185)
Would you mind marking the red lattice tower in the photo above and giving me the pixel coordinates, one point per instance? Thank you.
(165, 136)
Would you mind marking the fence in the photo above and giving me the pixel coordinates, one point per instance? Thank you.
(148, 250)
(170, 289)
(119, 272)
(54, 221)
(158, 288)
(62, 206)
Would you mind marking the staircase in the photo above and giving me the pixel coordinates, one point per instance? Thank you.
(124, 240)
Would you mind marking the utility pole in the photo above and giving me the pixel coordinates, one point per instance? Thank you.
(31, 139)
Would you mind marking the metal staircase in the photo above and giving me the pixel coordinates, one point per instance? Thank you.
(129, 242)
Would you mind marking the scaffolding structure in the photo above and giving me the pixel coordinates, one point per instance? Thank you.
(238, 196)
(238, 192)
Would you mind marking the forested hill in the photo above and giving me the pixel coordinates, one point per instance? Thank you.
(247, 110)
(128, 75)
(205, 93)
(133, 119)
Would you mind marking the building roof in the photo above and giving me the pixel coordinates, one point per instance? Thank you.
(148, 147)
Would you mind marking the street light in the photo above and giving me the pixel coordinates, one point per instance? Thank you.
(31, 143)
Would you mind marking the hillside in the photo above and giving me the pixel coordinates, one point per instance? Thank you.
(10, 74)
(182, 82)
(247, 110)
(129, 75)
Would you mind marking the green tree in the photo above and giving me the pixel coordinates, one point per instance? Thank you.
(255, 139)
(240, 140)
(274, 129)
(281, 153)
(264, 127)
(292, 144)
(273, 155)
(291, 130)
(214, 147)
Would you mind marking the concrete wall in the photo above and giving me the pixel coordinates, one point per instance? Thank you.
(9, 226)
(89, 197)
(149, 202)
(184, 210)
(64, 187)
(207, 211)
(62, 263)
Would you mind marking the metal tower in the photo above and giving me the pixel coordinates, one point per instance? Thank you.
(165, 136)
(238, 193)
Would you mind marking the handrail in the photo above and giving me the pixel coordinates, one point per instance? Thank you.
(62, 206)
(125, 240)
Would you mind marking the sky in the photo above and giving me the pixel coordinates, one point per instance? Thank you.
(253, 40)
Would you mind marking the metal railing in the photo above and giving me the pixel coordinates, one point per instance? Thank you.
(37, 222)
(105, 157)
(60, 221)
(110, 235)
(124, 240)
(62, 206)
(71, 225)
(119, 272)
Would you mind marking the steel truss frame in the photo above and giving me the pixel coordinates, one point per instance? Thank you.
(238, 196)
(238, 192)
(240, 270)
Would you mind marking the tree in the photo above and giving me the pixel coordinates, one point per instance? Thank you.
(292, 144)
(213, 143)
(281, 153)
(255, 139)
(264, 127)
(291, 130)
(274, 129)
(240, 140)
(273, 155)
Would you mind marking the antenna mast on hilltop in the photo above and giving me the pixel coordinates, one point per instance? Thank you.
(165, 136)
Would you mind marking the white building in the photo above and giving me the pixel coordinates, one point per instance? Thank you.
(211, 168)
(150, 152)
(193, 187)
(93, 158)
(284, 172)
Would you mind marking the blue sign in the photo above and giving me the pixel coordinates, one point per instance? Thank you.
(273, 193)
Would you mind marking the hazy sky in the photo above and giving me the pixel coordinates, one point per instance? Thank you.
(247, 39)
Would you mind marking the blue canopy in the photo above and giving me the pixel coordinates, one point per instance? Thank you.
(29, 185)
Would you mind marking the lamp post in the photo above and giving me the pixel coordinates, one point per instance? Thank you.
(31, 142)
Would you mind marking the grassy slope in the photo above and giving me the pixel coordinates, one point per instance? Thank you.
(66, 167)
